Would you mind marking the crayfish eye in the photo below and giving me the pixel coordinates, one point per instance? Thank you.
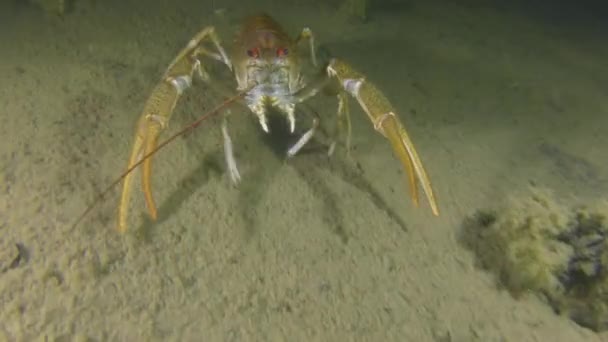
(253, 53)
(282, 52)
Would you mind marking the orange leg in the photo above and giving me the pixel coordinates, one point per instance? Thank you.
(157, 112)
(385, 120)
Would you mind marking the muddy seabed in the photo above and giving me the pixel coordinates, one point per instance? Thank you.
(495, 99)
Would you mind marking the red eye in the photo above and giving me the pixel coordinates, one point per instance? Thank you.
(282, 52)
(253, 53)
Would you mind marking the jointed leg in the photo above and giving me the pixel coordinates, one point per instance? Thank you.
(235, 176)
(385, 121)
(342, 119)
(307, 34)
(162, 101)
(324, 83)
(305, 138)
(157, 112)
(194, 49)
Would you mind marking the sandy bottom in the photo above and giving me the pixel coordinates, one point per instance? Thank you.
(306, 249)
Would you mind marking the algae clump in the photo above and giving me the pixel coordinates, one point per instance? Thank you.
(536, 245)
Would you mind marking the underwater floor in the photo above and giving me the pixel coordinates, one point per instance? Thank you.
(497, 100)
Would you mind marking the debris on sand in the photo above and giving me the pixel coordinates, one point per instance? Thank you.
(536, 245)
